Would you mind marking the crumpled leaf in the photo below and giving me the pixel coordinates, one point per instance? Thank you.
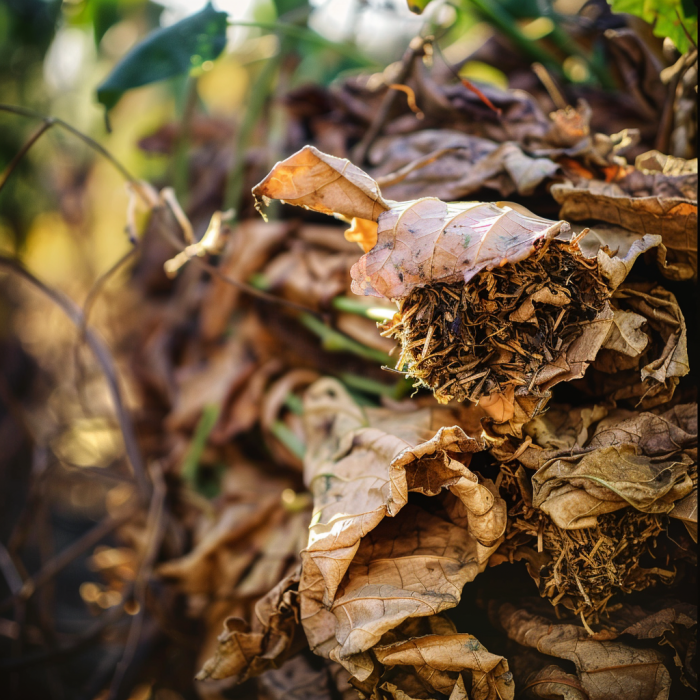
(301, 679)
(427, 243)
(434, 654)
(645, 202)
(628, 461)
(552, 683)
(247, 650)
(573, 491)
(360, 474)
(648, 378)
(456, 166)
(415, 564)
(606, 669)
(324, 183)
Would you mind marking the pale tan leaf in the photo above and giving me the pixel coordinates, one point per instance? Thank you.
(607, 670)
(429, 241)
(658, 207)
(358, 476)
(413, 565)
(490, 677)
(323, 183)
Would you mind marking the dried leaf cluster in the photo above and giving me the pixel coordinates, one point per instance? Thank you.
(451, 454)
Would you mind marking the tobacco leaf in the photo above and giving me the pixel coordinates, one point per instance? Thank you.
(573, 491)
(419, 242)
(300, 678)
(553, 683)
(456, 165)
(246, 650)
(644, 202)
(650, 377)
(434, 654)
(414, 564)
(605, 669)
(360, 474)
(630, 460)
(324, 183)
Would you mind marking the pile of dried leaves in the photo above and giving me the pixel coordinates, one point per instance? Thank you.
(339, 510)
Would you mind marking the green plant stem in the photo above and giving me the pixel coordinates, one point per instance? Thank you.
(353, 306)
(334, 341)
(257, 97)
(182, 144)
(505, 23)
(190, 464)
(288, 438)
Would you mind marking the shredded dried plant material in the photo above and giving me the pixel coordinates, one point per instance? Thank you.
(590, 565)
(465, 341)
(581, 569)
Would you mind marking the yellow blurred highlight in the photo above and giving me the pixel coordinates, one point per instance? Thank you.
(224, 86)
(484, 73)
(51, 250)
(89, 591)
(576, 70)
(107, 557)
(108, 599)
(132, 607)
(117, 497)
(538, 28)
(90, 442)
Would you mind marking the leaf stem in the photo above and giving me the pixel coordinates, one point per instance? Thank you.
(334, 341)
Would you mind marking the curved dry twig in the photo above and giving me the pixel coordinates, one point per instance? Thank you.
(106, 362)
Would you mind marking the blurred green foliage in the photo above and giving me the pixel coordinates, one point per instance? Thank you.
(675, 19)
(180, 48)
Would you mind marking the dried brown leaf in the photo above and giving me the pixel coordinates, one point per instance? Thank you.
(360, 474)
(490, 677)
(273, 636)
(606, 669)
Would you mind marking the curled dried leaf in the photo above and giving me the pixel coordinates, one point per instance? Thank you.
(601, 666)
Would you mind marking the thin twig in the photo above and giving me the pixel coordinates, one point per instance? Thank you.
(23, 151)
(59, 562)
(106, 362)
(415, 49)
(241, 286)
(106, 620)
(51, 121)
(155, 530)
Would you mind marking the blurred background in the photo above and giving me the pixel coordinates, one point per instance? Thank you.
(68, 566)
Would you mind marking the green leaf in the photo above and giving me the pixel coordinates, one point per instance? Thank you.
(175, 50)
(417, 6)
(670, 18)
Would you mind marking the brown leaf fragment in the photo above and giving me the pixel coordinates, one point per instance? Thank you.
(644, 202)
(650, 377)
(635, 460)
(607, 670)
(573, 491)
(456, 165)
(552, 683)
(324, 183)
(246, 650)
(430, 241)
(413, 565)
(300, 679)
(461, 653)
